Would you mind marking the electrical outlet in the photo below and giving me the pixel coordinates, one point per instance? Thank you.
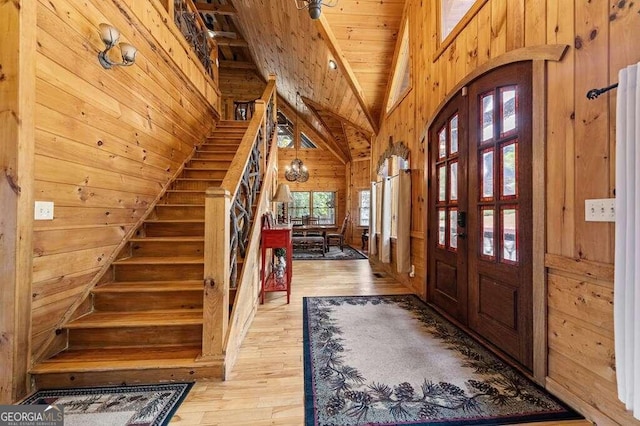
(43, 210)
(600, 210)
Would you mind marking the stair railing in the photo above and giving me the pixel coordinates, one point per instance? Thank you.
(188, 20)
(230, 223)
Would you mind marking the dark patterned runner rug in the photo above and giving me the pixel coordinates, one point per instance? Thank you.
(334, 253)
(140, 405)
(388, 360)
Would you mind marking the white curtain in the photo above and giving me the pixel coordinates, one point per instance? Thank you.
(627, 250)
(385, 225)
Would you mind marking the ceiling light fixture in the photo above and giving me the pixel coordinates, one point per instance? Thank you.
(332, 64)
(296, 171)
(314, 6)
(110, 36)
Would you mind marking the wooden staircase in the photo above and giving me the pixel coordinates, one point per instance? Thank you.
(146, 324)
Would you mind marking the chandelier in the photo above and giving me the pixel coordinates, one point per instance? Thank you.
(296, 171)
(314, 6)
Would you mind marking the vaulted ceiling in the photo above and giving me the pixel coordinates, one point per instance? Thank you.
(345, 104)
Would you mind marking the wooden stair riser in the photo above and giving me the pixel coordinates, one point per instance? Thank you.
(196, 184)
(213, 155)
(215, 176)
(158, 272)
(199, 163)
(142, 301)
(177, 197)
(173, 229)
(167, 248)
(222, 148)
(231, 141)
(122, 337)
(121, 377)
(207, 165)
(232, 123)
(172, 211)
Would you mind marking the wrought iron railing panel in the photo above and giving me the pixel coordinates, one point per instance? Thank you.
(242, 207)
(187, 21)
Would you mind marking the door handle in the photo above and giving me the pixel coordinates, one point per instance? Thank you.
(462, 219)
(462, 235)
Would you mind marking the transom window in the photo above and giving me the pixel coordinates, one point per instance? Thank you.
(316, 204)
(285, 131)
(306, 142)
(401, 82)
(452, 12)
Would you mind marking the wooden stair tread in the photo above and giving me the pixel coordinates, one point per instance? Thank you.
(167, 239)
(138, 319)
(148, 286)
(209, 169)
(106, 359)
(180, 205)
(188, 191)
(175, 220)
(164, 260)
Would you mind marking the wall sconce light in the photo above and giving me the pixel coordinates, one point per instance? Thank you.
(315, 6)
(332, 64)
(110, 37)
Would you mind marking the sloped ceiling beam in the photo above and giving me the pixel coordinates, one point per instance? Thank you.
(328, 143)
(231, 42)
(346, 152)
(345, 68)
(216, 9)
(317, 106)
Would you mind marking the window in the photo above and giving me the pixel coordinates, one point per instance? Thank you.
(401, 82)
(320, 204)
(364, 206)
(305, 142)
(285, 131)
(452, 12)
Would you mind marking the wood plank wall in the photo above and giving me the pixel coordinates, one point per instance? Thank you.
(239, 85)
(17, 95)
(358, 178)
(580, 157)
(107, 141)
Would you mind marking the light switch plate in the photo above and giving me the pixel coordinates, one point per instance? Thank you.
(43, 210)
(600, 210)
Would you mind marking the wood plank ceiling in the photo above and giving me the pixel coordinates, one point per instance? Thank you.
(360, 36)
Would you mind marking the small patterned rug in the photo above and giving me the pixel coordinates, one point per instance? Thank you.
(334, 253)
(389, 360)
(140, 405)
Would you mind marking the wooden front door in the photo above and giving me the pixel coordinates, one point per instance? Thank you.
(488, 229)
(448, 189)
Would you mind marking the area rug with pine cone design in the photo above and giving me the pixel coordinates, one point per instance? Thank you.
(390, 360)
(134, 405)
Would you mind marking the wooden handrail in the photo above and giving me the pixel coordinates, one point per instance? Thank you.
(223, 238)
(246, 300)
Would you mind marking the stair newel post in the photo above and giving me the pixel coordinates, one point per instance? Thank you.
(217, 250)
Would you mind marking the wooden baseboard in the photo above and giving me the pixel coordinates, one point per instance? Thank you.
(587, 410)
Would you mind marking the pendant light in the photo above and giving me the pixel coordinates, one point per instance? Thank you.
(296, 171)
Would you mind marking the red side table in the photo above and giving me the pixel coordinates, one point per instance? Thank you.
(277, 237)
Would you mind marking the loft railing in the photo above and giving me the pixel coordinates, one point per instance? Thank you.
(192, 26)
(231, 234)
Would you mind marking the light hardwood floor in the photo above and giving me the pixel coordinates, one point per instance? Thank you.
(266, 385)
